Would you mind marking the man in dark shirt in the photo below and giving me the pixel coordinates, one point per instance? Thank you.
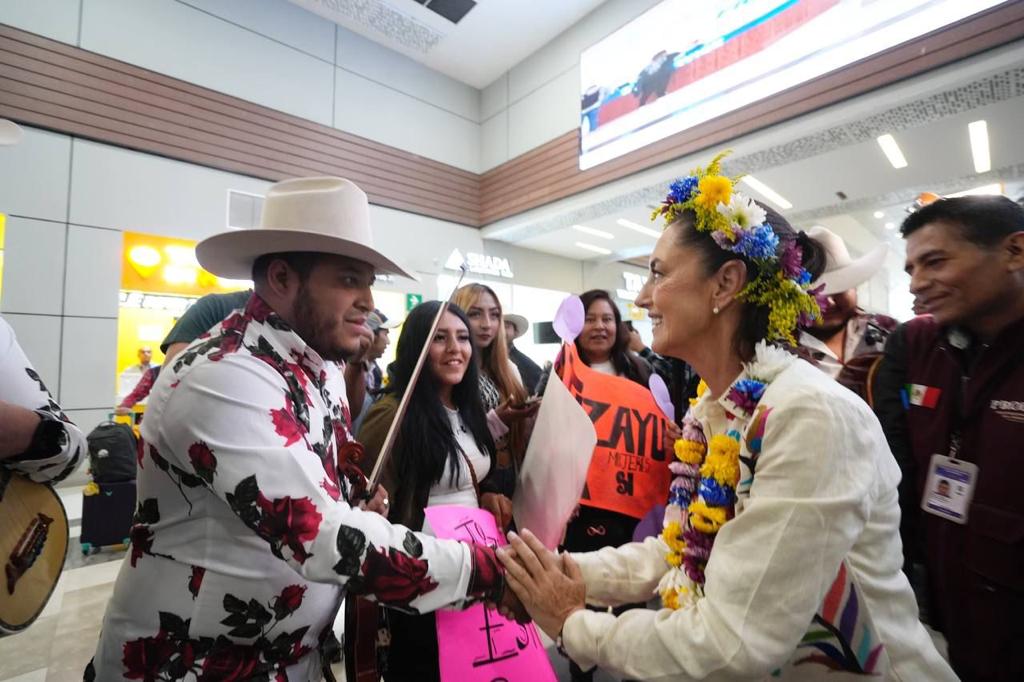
(529, 371)
(204, 313)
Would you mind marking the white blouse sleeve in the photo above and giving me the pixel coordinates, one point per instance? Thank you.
(21, 385)
(770, 567)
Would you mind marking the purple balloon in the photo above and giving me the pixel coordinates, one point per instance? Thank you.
(660, 392)
(568, 322)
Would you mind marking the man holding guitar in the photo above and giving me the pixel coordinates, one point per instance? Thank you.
(253, 519)
(38, 445)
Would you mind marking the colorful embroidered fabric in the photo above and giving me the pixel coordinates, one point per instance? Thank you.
(737, 224)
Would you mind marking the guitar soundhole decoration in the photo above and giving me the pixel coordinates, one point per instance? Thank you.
(28, 549)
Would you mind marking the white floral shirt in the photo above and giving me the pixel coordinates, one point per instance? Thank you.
(244, 541)
(805, 583)
(20, 385)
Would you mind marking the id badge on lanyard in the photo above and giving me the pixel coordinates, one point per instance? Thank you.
(949, 487)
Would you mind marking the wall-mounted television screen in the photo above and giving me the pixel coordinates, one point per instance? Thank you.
(684, 62)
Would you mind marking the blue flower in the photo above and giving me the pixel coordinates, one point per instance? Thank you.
(758, 243)
(805, 278)
(679, 497)
(682, 189)
(746, 393)
(714, 493)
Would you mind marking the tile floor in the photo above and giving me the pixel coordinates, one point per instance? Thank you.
(60, 643)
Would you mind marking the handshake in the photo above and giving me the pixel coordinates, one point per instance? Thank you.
(540, 585)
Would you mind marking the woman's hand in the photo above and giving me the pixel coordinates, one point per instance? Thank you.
(499, 506)
(672, 434)
(512, 414)
(551, 587)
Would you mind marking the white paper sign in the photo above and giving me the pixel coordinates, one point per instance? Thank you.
(555, 467)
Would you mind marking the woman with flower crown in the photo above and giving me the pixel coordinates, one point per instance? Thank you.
(780, 556)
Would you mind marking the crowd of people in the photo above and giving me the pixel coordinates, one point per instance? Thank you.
(811, 445)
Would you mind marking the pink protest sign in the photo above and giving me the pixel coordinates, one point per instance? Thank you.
(479, 644)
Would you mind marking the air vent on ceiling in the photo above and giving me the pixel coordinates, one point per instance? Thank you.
(452, 10)
(244, 209)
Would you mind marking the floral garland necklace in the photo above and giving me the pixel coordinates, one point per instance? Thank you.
(702, 497)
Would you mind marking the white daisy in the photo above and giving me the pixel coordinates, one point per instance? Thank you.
(742, 212)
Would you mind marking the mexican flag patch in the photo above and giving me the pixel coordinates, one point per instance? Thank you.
(923, 396)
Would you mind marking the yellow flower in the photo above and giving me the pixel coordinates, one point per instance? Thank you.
(670, 599)
(707, 519)
(713, 190)
(674, 559)
(672, 534)
(702, 388)
(689, 451)
(722, 463)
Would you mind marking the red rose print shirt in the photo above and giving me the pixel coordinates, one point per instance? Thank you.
(245, 538)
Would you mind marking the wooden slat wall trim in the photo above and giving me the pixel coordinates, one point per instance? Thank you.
(63, 88)
(551, 172)
(57, 86)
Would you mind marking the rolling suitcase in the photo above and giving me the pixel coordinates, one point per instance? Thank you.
(107, 512)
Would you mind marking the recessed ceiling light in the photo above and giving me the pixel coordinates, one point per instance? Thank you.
(892, 151)
(636, 227)
(978, 132)
(766, 191)
(890, 226)
(593, 231)
(596, 249)
(879, 214)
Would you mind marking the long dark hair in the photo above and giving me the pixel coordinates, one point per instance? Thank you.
(754, 321)
(620, 357)
(426, 441)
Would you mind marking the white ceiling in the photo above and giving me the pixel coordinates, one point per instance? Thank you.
(938, 153)
(492, 38)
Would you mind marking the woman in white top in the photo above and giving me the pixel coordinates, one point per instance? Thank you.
(780, 557)
(444, 455)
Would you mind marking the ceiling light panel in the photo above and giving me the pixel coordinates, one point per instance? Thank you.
(767, 192)
(978, 132)
(637, 227)
(892, 151)
(593, 232)
(596, 249)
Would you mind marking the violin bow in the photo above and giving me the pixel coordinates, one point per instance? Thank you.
(403, 405)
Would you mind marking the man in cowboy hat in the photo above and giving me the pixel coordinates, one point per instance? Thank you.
(250, 526)
(847, 341)
(530, 371)
(372, 376)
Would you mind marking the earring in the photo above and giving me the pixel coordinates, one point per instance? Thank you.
(715, 310)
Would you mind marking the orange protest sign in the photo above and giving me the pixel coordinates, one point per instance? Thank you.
(629, 470)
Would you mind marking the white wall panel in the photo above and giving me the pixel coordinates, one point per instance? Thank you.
(544, 114)
(389, 68)
(93, 272)
(57, 19)
(366, 108)
(276, 19)
(88, 363)
(33, 267)
(87, 420)
(494, 97)
(180, 41)
(421, 244)
(39, 337)
(126, 190)
(494, 141)
(34, 176)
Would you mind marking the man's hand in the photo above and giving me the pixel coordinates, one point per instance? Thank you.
(551, 587)
(512, 608)
(380, 502)
(122, 411)
(500, 507)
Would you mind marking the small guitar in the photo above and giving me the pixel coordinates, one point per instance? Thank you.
(33, 544)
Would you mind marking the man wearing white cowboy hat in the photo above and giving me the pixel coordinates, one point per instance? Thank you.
(847, 340)
(249, 529)
(529, 371)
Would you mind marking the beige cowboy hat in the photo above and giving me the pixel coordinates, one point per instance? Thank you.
(842, 272)
(519, 323)
(324, 215)
(10, 133)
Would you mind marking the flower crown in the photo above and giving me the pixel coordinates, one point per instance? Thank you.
(737, 224)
